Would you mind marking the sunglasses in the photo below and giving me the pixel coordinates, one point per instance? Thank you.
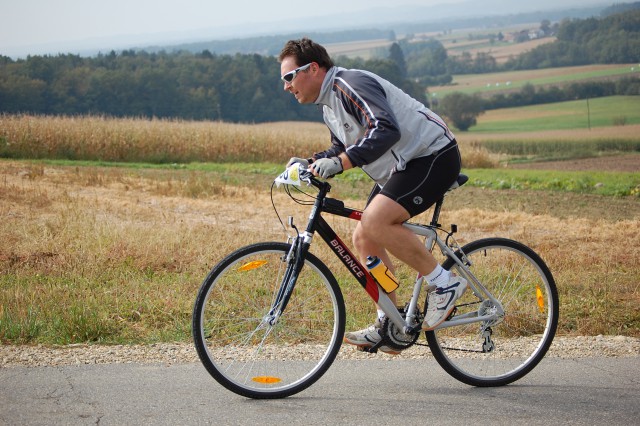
(288, 77)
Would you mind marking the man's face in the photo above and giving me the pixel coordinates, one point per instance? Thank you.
(306, 84)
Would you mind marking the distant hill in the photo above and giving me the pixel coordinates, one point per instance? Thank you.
(418, 19)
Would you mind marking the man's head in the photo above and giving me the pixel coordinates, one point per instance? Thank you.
(303, 65)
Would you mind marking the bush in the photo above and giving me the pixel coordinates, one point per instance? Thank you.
(620, 120)
(461, 109)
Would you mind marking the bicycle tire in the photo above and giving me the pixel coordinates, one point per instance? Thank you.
(525, 287)
(248, 356)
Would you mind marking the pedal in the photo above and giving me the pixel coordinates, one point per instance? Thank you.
(371, 349)
(453, 313)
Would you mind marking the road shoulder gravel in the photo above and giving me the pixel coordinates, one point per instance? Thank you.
(181, 353)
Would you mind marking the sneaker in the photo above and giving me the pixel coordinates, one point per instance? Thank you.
(368, 337)
(441, 301)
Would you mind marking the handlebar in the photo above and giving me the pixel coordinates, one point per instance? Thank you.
(296, 173)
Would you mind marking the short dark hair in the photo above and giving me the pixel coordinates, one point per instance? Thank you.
(306, 51)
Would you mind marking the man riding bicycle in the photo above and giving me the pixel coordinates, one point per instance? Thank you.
(402, 145)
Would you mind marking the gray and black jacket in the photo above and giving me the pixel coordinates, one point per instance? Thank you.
(378, 125)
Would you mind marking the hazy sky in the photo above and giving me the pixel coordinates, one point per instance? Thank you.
(37, 22)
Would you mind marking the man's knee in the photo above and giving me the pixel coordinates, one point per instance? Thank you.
(369, 222)
(374, 220)
(358, 237)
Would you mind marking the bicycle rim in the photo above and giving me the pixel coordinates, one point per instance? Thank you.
(245, 353)
(483, 354)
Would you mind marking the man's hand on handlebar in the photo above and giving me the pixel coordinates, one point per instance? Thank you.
(303, 162)
(326, 167)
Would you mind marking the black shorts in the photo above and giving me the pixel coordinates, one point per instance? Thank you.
(423, 181)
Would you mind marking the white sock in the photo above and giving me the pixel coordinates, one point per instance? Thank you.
(381, 314)
(439, 277)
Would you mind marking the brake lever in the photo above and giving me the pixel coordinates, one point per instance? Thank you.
(305, 175)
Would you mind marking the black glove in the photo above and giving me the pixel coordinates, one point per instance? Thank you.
(327, 167)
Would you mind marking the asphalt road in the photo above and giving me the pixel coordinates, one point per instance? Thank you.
(580, 391)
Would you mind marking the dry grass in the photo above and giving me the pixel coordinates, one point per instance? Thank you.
(161, 141)
(171, 141)
(105, 253)
(363, 49)
(116, 255)
(500, 52)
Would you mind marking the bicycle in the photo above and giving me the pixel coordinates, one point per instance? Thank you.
(269, 319)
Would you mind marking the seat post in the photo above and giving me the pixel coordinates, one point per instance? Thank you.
(460, 180)
(436, 213)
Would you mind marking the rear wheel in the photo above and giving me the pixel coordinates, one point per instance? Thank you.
(250, 352)
(506, 349)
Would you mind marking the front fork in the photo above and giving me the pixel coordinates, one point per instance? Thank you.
(294, 262)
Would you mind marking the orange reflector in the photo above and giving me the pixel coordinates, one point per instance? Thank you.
(252, 265)
(540, 298)
(266, 379)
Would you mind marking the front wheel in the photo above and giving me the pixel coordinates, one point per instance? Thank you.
(498, 352)
(248, 350)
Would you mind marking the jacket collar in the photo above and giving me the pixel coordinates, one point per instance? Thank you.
(325, 90)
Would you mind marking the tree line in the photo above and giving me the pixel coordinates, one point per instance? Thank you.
(247, 88)
(612, 39)
(236, 88)
(240, 88)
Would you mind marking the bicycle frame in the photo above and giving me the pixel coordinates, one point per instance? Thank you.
(408, 325)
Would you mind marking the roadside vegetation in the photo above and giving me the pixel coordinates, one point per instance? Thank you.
(105, 242)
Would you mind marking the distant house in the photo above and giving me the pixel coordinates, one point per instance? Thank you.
(524, 35)
(534, 34)
(510, 37)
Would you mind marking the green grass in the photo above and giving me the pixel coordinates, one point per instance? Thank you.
(600, 183)
(95, 307)
(257, 174)
(521, 151)
(582, 114)
(353, 183)
(513, 80)
(262, 168)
